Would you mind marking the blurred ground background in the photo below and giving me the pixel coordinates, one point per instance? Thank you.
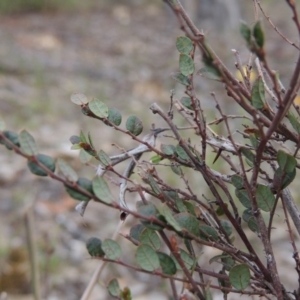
(122, 53)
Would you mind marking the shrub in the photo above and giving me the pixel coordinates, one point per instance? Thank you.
(259, 162)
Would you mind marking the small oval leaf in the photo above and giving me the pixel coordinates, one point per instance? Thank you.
(85, 184)
(188, 222)
(102, 191)
(258, 94)
(111, 249)
(167, 264)
(93, 246)
(46, 161)
(114, 116)
(264, 197)
(239, 276)
(147, 258)
(186, 65)
(67, 170)
(79, 98)
(134, 125)
(184, 45)
(114, 288)
(150, 237)
(181, 78)
(104, 158)
(27, 143)
(98, 108)
(12, 136)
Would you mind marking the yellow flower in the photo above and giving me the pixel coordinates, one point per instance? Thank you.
(253, 74)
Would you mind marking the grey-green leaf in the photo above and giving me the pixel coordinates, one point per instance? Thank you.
(167, 264)
(187, 102)
(150, 237)
(245, 32)
(136, 230)
(112, 249)
(184, 45)
(239, 276)
(167, 213)
(114, 288)
(104, 158)
(181, 78)
(94, 248)
(147, 258)
(188, 261)
(286, 162)
(84, 156)
(98, 108)
(243, 197)
(167, 149)
(79, 98)
(258, 35)
(84, 183)
(188, 222)
(237, 181)
(181, 153)
(27, 143)
(258, 94)
(186, 65)
(264, 197)
(46, 161)
(114, 116)
(102, 191)
(67, 170)
(208, 233)
(134, 125)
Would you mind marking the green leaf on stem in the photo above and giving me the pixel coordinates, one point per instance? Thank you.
(249, 218)
(284, 178)
(114, 288)
(187, 102)
(111, 249)
(79, 98)
(208, 233)
(239, 276)
(181, 153)
(13, 137)
(104, 158)
(184, 45)
(134, 125)
(167, 213)
(27, 143)
(237, 181)
(176, 169)
(248, 154)
(102, 191)
(245, 32)
(46, 161)
(186, 65)
(227, 227)
(67, 170)
(94, 247)
(75, 139)
(188, 261)
(167, 149)
(136, 230)
(98, 108)
(150, 237)
(188, 222)
(84, 183)
(84, 156)
(147, 258)
(258, 94)
(243, 197)
(210, 72)
(150, 211)
(294, 121)
(114, 116)
(154, 186)
(286, 162)
(258, 35)
(264, 197)
(181, 78)
(167, 264)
